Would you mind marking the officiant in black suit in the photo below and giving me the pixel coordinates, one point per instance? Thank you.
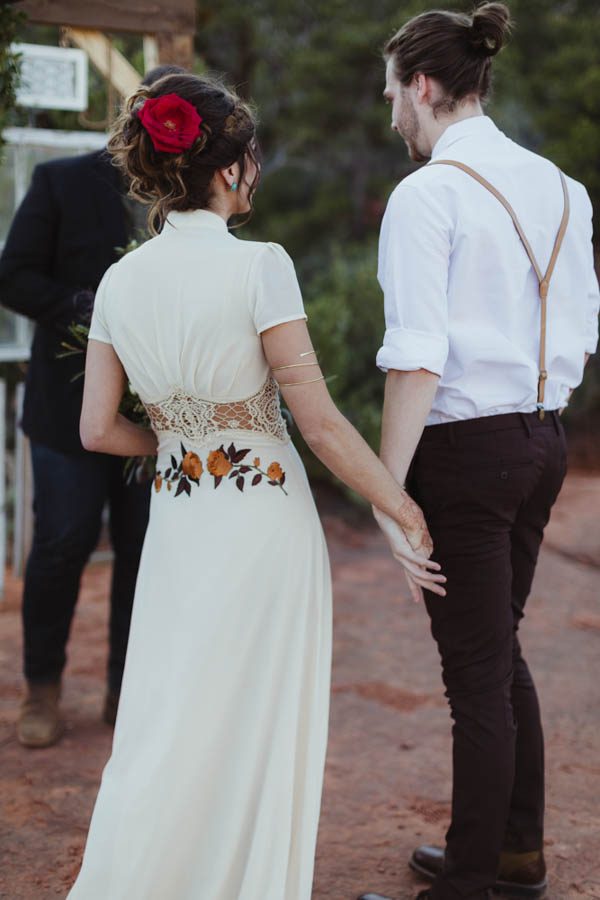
(64, 236)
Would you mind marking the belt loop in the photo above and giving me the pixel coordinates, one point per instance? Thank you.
(451, 434)
(526, 424)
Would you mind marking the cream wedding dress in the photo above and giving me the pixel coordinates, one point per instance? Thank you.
(213, 788)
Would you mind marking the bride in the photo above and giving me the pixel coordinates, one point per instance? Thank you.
(213, 788)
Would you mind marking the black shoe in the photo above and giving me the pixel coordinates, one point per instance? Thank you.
(522, 874)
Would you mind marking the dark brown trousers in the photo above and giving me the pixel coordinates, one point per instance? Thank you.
(486, 487)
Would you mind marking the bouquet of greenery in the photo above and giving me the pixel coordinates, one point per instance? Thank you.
(140, 468)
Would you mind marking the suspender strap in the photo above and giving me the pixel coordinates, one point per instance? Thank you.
(543, 278)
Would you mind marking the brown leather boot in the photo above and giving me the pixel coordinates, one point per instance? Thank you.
(520, 874)
(40, 724)
(523, 872)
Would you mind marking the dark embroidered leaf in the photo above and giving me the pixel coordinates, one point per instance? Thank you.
(244, 469)
(240, 483)
(223, 451)
(239, 455)
(195, 480)
(256, 480)
(218, 480)
(233, 473)
(168, 472)
(231, 452)
(282, 479)
(183, 450)
(186, 486)
(173, 461)
(274, 483)
(181, 487)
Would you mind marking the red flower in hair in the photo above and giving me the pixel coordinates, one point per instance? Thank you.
(172, 122)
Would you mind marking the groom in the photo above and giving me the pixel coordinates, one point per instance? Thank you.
(491, 306)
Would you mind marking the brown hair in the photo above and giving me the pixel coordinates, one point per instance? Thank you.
(454, 48)
(181, 181)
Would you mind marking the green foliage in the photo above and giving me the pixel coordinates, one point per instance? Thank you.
(548, 86)
(345, 316)
(10, 21)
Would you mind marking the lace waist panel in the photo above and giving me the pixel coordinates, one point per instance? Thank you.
(198, 419)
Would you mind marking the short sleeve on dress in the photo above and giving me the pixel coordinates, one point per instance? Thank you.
(276, 295)
(99, 330)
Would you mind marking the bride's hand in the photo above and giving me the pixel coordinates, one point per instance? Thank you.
(421, 572)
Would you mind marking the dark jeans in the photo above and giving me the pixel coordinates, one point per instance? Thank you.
(70, 492)
(486, 487)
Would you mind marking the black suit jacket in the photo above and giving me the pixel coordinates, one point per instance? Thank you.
(62, 240)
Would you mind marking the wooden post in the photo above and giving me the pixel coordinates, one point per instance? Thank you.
(176, 49)
(107, 59)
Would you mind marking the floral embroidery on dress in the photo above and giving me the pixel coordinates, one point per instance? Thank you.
(184, 473)
(220, 463)
(230, 462)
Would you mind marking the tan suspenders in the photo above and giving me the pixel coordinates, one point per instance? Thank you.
(543, 279)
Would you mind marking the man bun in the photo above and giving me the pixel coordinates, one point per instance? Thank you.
(454, 48)
(491, 24)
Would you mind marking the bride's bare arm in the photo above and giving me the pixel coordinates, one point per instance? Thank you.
(331, 437)
(102, 428)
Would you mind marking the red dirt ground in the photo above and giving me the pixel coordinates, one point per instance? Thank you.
(388, 770)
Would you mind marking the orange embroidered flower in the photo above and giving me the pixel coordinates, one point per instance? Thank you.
(257, 462)
(158, 483)
(275, 472)
(217, 464)
(191, 465)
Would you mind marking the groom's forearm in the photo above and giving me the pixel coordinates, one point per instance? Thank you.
(408, 400)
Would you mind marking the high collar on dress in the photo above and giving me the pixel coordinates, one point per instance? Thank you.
(476, 127)
(194, 218)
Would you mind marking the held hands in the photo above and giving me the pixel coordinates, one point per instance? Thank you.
(411, 545)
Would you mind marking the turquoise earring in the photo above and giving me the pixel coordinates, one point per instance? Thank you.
(234, 186)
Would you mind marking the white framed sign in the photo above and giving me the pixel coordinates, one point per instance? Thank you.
(52, 77)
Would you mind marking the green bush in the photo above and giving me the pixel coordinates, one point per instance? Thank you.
(345, 316)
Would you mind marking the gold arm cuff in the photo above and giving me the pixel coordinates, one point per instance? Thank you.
(293, 366)
(298, 383)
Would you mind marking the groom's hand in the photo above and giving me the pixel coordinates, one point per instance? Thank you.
(421, 572)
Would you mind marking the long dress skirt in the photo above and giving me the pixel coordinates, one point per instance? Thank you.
(213, 788)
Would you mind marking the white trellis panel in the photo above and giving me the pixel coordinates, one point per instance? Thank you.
(52, 77)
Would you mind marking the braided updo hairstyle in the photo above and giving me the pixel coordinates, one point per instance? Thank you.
(454, 48)
(184, 180)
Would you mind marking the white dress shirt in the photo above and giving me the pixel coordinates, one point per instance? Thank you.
(461, 296)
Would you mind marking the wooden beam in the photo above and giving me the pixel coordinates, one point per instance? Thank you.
(176, 49)
(112, 64)
(138, 16)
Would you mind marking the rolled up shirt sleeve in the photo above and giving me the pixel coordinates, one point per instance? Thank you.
(414, 256)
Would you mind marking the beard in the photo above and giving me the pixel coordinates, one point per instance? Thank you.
(410, 130)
